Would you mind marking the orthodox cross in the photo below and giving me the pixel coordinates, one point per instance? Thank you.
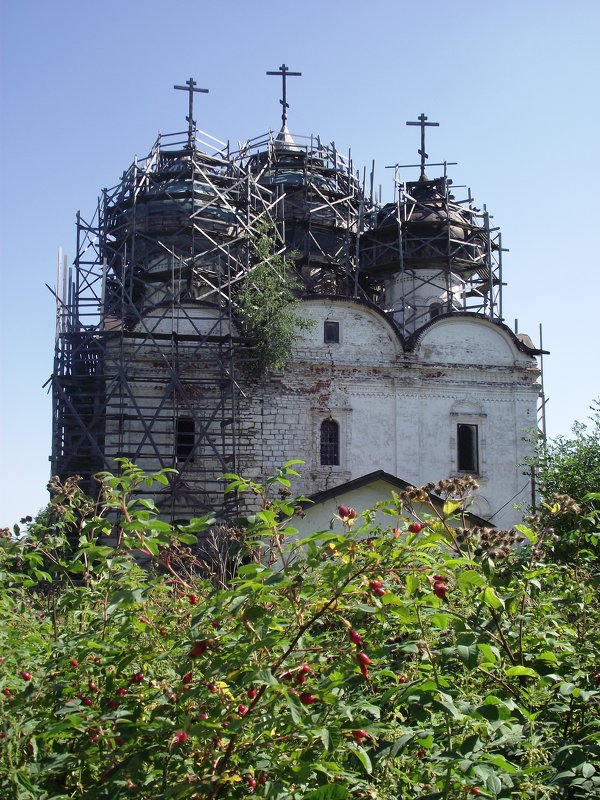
(190, 88)
(422, 123)
(285, 73)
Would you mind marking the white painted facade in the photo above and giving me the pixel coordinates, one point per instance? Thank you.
(415, 385)
(398, 408)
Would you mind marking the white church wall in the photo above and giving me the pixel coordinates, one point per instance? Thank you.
(493, 387)
(365, 335)
(399, 411)
(458, 339)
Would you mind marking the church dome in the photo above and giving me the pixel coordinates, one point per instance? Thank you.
(436, 232)
(169, 201)
(319, 201)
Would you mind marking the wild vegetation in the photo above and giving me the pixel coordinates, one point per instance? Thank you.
(568, 474)
(267, 305)
(406, 660)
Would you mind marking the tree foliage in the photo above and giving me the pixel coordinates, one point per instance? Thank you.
(413, 659)
(568, 474)
(267, 305)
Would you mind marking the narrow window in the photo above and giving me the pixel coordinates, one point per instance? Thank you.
(435, 309)
(330, 443)
(467, 448)
(186, 430)
(331, 332)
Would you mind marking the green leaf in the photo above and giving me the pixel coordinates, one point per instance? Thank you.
(363, 757)
(331, 791)
(490, 653)
(295, 708)
(468, 655)
(159, 525)
(566, 688)
(493, 784)
(254, 570)
(152, 546)
(396, 747)
(413, 583)
(520, 670)
(470, 744)
(470, 578)
(266, 676)
(439, 621)
(547, 655)
(491, 599)
(323, 734)
(450, 506)
(500, 761)
(527, 533)
(187, 538)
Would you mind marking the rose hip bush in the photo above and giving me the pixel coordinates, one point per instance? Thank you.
(415, 660)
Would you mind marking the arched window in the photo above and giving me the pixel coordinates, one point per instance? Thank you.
(330, 443)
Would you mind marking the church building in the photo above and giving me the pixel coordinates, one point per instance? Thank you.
(404, 368)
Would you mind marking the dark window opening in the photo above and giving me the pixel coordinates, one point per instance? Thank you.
(330, 443)
(331, 332)
(186, 435)
(435, 309)
(467, 448)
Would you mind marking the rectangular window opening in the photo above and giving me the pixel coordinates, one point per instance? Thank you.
(467, 448)
(330, 443)
(331, 332)
(186, 435)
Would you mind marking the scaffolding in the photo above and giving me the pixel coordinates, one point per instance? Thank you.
(147, 355)
(321, 207)
(150, 357)
(428, 253)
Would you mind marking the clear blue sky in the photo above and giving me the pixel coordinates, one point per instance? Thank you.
(514, 86)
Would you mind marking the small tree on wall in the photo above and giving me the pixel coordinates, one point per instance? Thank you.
(267, 305)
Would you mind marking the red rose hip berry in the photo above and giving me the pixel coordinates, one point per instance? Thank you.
(363, 659)
(355, 638)
(180, 737)
(198, 648)
(439, 589)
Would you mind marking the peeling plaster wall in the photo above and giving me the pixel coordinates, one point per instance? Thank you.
(397, 410)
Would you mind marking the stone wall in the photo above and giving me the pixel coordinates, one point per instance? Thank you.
(398, 411)
(397, 408)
